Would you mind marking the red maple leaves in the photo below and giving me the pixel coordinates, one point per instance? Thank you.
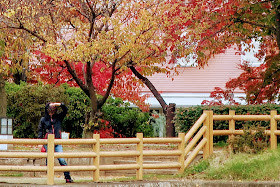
(260, 85)
(55, 72)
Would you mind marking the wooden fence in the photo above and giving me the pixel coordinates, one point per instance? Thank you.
(273, 132)
(96, 154)
(199, 137)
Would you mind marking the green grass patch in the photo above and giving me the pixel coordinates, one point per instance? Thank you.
(197, 168)
(10, 174)
(147, 177)
(119, 179)
(220, 144)
(241, 166)
(157, 177)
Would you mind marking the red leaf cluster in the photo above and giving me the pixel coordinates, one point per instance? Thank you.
(106, 131)
(126, 86)
(260, 85)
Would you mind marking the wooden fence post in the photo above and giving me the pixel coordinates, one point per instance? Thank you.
(139, 159)
(231, 123)
(206, 147)
(50, 162)
(96, 160)
(181, 147)
(273, 127)
(211, 132)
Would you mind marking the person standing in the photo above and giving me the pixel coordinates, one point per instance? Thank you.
(51, 124)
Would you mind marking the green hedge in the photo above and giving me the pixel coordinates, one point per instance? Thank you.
(26, 105)
(125, 120)
(186, 117)
(79, 105)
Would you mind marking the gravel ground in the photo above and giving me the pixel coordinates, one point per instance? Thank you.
(30, 182)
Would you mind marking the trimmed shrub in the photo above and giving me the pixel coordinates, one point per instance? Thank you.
(125, 120)
(186, 117)
(79, 106)
(26, 105)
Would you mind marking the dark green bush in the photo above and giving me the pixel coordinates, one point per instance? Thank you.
(26, 104)
(186, 117)
(79, 105)
(125, 120)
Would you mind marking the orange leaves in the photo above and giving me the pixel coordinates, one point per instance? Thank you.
(221, 97)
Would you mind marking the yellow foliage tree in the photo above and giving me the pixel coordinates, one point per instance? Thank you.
(124, 35)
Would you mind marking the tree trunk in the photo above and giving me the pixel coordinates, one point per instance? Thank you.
(168, 110)
(3, 98)
(91, 118)
(19, 77)
(87, 135)
(170, 114)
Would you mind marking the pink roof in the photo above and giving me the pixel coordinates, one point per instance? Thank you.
(194, 80)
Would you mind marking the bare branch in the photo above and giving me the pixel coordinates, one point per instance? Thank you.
(110, 86)
(93, 16)
(21, 27)
(152, 88)
(254, 24)
(76, 78)
(78, 11)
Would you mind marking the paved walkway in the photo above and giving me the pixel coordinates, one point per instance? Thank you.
(36, 181)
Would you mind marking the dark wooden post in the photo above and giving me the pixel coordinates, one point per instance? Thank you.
(170, 114)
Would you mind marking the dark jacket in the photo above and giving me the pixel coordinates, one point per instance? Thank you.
(46, 126)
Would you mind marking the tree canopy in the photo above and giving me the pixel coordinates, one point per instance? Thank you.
(97, 41)
(218, 25)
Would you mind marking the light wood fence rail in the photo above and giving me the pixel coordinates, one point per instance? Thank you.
(199, 137)
(96, 154)
(232, 117)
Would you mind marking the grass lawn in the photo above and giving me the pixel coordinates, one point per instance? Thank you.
(224, 165)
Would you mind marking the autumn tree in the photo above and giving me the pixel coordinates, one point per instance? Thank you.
(82, 36)
(231, 24)
(13, 61)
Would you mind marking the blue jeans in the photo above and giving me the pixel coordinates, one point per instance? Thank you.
(62, 162)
